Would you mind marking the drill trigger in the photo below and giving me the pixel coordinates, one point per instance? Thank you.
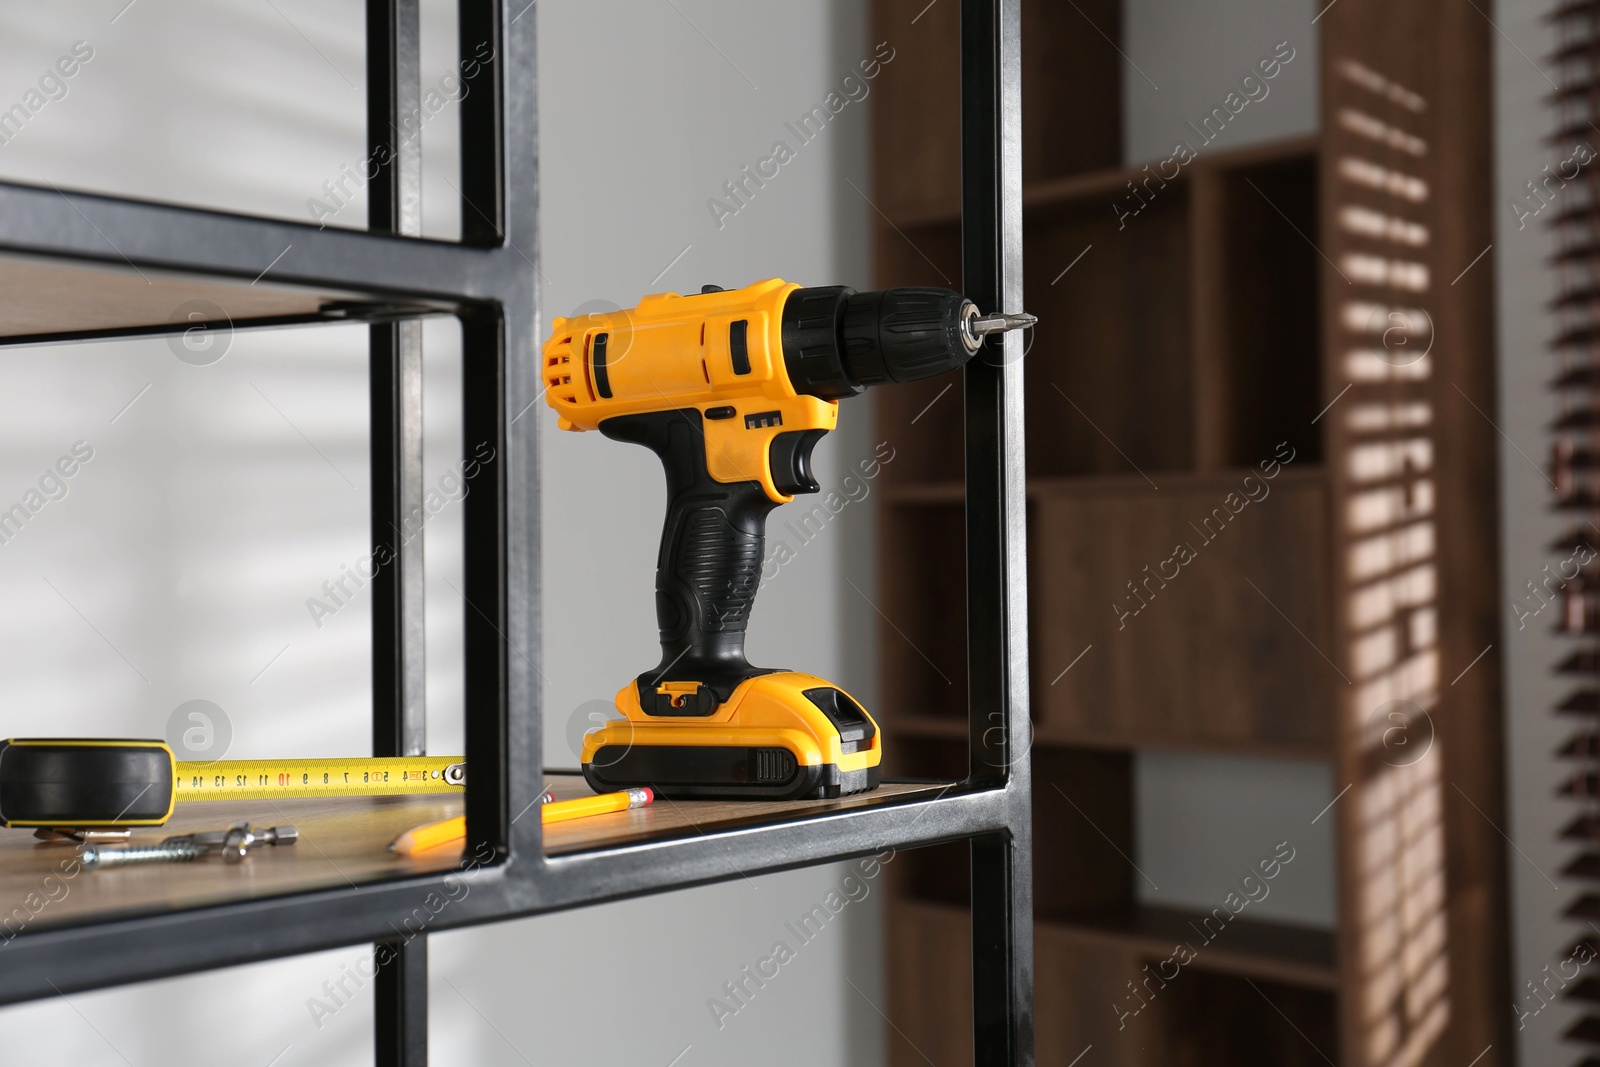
(790, 458)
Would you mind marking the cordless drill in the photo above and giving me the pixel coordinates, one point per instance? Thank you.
(732, 389)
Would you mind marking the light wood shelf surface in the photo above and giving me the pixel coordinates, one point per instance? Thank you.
(342, 842)
(43, 297)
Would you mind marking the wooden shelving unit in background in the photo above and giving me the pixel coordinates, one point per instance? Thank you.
(1179, 350)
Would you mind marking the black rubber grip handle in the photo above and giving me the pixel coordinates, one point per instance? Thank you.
(709, 565)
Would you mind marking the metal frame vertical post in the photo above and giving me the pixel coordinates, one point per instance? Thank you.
(399, 621)
(501, 511)
(997, 623)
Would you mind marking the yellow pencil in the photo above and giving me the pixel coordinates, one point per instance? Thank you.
(599, 804)
(449, 831)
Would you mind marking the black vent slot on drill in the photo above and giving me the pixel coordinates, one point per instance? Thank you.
(597, 349)
(739, 346)
(773, 765)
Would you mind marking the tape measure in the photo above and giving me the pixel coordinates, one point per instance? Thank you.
(60, 783)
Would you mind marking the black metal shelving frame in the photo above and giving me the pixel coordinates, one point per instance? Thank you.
(487, 280)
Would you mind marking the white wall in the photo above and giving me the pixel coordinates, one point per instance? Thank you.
(1184, 58)
(183, 552)
(1205, 822)
(1523, 122)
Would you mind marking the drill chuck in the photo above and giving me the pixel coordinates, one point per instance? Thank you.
(837, 342)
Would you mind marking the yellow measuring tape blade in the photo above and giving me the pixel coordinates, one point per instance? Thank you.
(304, 778)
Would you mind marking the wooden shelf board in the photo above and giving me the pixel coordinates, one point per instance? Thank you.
(1268, 152)
(1096, 185)
(1256, 948)
(1154, 740)
(1225, 478)
(689, 818)
(343, 842)
(44, 297)
(940, 728)
(1287, 953)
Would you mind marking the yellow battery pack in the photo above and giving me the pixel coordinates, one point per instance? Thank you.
(779, 736)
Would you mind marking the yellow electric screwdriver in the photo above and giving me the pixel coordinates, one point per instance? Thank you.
(732, 389)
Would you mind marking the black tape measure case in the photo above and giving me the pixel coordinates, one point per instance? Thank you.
(85, 784)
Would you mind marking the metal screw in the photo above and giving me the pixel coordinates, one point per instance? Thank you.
(96, 857)
(233, 843)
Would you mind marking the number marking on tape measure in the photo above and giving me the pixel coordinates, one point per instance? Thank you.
(258, 779)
